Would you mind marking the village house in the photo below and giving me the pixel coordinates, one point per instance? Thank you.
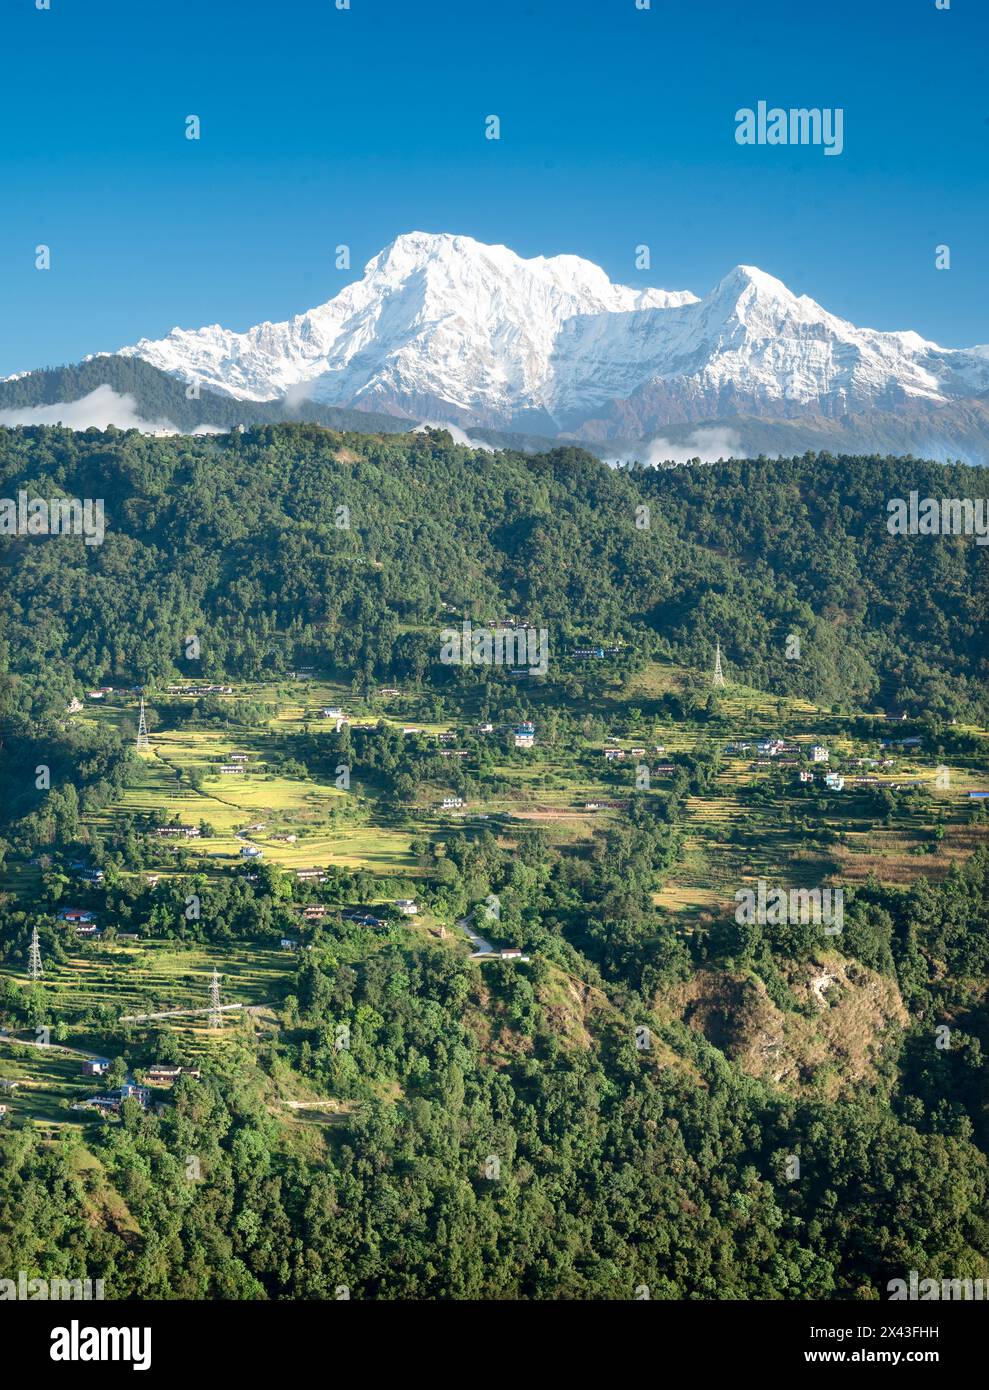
(407, 906)
(806, 775)
(819, 754)
(452, 803)
(166, 1073)
(311, 875)
(95, 1066)
(362, 919)
(110, 1103)
(614, 755)
(251, 852)
(524, 735)
(188, 832)
(314, 912)
(770, 747)
(834, 780)
(130, 1090)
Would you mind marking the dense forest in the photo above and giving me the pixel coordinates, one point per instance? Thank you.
(288, 546)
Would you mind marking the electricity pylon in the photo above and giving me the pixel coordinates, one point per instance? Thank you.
(142, 741)
(34, 967)
(215, 1016)
(718, 679)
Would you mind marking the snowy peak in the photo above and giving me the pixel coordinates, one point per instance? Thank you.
(444, 326)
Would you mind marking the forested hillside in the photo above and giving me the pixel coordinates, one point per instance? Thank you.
(241, 540)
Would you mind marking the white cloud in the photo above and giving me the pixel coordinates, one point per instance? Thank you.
(100, 408)
(709, 444)
(459, 437)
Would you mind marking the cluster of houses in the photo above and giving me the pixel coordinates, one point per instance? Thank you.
(199, 689)
(833, 780)
(83, 921)
(159, 1074)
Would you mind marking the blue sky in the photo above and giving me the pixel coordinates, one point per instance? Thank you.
(322, 127)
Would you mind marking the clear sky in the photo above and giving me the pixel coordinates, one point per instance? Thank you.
(322, 126)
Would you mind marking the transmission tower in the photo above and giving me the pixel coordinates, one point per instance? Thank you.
(718, 679)
(215, 1016)
(142, 740)
(34, 966)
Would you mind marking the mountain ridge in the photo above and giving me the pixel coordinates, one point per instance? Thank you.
(444, 325)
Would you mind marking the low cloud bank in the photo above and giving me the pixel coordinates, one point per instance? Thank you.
(458, 435)
(100, 408)
(709, 445)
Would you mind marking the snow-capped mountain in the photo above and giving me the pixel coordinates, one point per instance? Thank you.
(447, 327)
